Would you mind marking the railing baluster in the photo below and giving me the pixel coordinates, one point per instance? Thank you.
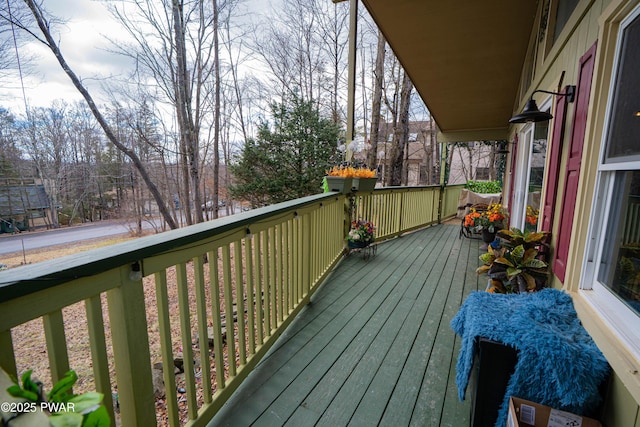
(259, 289)
(98, 346)
(272, 280)
(279, 274)
(214, 284)
(56, 345)
(306, 254)
(203, 335)
(266, 289)
(251, 294)
(315, 249)
(296, 271)
(228, 310)
(242, 342)
(166, 347)
(187, 344)
(287, 267)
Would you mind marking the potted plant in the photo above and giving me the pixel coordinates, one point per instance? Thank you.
(348, 177)
(512, 263)
(62, 406)
(364, 179)
(531, 218)
(361, 234)
(487, 221)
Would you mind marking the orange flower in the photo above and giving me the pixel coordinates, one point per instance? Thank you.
(469, 219)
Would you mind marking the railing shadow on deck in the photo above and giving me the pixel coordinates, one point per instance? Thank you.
(238, 282)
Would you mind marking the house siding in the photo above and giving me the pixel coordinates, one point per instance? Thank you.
(554, 68)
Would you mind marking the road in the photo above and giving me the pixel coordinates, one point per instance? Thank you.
(10, 243)
(40, 239)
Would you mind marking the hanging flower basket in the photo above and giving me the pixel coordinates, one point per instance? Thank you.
(337, 183)
(364, 184)
(347, 178)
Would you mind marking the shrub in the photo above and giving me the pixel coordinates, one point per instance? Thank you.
(484, 187)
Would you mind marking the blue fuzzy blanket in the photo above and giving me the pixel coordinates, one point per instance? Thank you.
(558, 364)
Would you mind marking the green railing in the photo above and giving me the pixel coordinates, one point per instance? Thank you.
(237, 282)
(397, 210)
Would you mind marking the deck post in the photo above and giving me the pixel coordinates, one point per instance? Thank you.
(127, 315)
(7, 360)
(440, 199)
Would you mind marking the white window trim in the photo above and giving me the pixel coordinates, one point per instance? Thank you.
(527, 137)
(522, 176)
(617, 316)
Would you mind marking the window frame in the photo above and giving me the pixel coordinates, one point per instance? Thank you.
(620, 319)
(523, 169)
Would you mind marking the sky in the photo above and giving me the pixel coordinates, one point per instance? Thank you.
(83, 43)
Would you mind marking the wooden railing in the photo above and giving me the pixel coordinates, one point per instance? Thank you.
(216, 295)
(396, 210)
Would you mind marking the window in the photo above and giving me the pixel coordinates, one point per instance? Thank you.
(532, 155)
(613, 257)
(482, 173)
(620, 260)
(564, 9)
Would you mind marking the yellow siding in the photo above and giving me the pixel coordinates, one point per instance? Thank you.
(620, 409)
(592, 21)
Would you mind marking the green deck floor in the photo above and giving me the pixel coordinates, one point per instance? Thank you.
(374, 347)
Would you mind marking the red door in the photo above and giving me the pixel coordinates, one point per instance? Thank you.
(578, 127)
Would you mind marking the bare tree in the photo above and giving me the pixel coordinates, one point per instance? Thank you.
(400, 135)
(49, 41)
(378, 75)
(14, 63)
(292, 47)
(332, 28)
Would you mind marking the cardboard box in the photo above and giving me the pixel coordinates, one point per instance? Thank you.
(524, 413)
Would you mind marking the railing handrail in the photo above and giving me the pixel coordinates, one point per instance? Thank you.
(33, 278)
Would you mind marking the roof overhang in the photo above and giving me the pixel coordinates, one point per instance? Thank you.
(465, 58)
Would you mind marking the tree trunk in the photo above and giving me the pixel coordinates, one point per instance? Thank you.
(492, 161)
(402, 131)
(50, 42)
(372, 155)
(216, 123)
(185, 118)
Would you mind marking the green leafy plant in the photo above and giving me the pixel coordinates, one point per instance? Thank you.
(529, 239)
(484, 187)
(512, 263)
(65, 408)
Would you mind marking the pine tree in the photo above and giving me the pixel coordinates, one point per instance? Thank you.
(288, 159)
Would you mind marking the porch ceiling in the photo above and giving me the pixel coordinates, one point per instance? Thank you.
(464, 58)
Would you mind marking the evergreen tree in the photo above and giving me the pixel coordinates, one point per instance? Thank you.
(288, 160)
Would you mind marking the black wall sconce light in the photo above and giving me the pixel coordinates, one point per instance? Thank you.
(531, 113)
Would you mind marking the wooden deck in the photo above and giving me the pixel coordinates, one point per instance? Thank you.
(374, 347)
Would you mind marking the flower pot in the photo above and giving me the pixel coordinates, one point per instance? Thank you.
(338, 183)
(357, 244)
(364, 184)
(487, 236)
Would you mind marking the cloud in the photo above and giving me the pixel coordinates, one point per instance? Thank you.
(80, 36)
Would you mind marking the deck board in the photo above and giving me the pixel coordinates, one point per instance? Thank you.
(374, 347)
